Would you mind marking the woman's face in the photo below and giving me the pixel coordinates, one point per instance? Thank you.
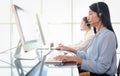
(83, 25)
(93, 18)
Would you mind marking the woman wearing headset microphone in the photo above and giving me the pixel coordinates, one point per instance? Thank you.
(81, 46)
(100, 58)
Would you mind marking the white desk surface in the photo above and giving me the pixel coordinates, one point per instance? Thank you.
(70, 70)
(63, 70)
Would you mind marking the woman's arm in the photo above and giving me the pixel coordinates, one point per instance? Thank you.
(66, 48)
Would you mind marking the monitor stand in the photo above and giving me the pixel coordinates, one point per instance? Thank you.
(30, 55)
(19, 67)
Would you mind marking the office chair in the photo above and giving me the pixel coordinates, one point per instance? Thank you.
(85, 74)
(118, 69)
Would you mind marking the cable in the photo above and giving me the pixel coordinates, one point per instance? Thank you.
(7, 50)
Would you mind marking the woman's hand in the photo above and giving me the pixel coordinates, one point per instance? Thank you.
(65, 58)
(62, 47)
(59, 47)
(66, 48)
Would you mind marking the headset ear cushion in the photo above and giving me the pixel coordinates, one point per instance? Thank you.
(100, 14)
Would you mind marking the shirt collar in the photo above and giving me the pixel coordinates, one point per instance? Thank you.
(103, 29)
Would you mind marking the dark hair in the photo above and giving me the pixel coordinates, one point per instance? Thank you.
(86, 21)
(102, 10)
(88, 24)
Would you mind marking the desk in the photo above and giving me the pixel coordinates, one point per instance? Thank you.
(70, 70)
(51, 70)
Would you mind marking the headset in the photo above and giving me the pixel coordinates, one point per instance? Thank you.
(86, 21)
(99, 11)
(87, 24)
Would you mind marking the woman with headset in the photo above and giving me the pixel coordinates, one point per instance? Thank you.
(89, 35)
(100, 58)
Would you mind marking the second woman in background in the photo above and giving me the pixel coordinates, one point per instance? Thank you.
(89, 35)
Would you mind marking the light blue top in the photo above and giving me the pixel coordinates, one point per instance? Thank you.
(101, 54)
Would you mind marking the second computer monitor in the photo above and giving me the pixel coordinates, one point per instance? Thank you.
(29, 28)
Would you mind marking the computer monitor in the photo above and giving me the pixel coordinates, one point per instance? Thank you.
(29, 28)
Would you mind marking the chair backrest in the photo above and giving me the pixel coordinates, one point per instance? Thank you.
(118, 69)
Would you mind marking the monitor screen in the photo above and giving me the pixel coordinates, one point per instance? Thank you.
(29, 28)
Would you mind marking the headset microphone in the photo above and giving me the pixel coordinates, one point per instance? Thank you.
(81, 29)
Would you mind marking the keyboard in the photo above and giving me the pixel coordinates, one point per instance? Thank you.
(50, 58)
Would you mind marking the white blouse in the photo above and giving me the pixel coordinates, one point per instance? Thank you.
(84, 43)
